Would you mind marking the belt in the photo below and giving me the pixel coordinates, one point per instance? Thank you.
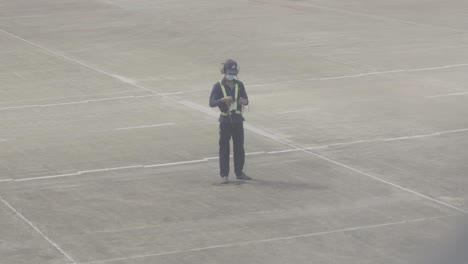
(232, 112)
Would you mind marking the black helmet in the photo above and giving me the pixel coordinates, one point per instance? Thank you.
(230, 67)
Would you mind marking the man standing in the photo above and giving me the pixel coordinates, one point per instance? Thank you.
(229, 96)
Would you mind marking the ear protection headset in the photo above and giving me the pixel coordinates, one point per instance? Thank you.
(222, 68)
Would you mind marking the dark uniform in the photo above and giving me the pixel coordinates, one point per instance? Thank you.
(231, 124)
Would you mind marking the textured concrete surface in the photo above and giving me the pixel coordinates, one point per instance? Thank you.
(356, 133)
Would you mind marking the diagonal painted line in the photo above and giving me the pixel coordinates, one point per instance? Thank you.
(371, 176)
(387, 182)
(75, 102)
(59, 54)
(362, 75)
(274, 239)
(367, 15)
(294, 147)
(72, 97)
(79, 173)
(147, 126)
(6, 180)
(175, 163)
(249, 127)
(447, 95)
(297, 111)
(55, 245)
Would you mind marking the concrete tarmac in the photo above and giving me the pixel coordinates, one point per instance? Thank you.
(356, 133)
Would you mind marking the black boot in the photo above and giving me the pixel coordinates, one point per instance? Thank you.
(243, 176)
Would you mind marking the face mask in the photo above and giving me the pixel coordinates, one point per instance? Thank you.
(230, 77)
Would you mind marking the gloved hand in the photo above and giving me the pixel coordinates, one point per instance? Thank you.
(243, 101)
(226, 99)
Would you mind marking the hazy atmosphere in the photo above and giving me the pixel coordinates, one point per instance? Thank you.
(355, 132)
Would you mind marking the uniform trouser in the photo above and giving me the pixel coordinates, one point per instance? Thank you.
(236, 131)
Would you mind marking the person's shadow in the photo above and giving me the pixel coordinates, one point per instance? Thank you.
(282, 185)
(287, 185)
(230, 183)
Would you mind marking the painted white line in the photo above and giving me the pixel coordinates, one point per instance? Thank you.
(16, 17)
(196, 161)
(121, 168)
(111, 169)
(453, 131)
(48, 187)
(200, 108)
(355, 170)
(283, 151)
(144, 96)
(18, 107)
(342, 144)
(292, 160)
(55, 245)
(254, 153)
(387, 182)
(260, 132)
(412, 137)
(193, 105)
(70, 103)
(77, 173)
(123, 79)
(274, 239)
(71, 97)
(435, 134)
(249, 127)
(438, 67)
(361, 75)
(147, 126)
(166, 94)
(286, 127)
(183, 92)
(6, 180)
(294, 149)
(175, 163)
(47, 177)
(447, 95)
(297, 111)
(88, 101)
(384, 18)
(189, 104)
(79, 102)
(347, 143)
(58, 187)
(129, 228)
